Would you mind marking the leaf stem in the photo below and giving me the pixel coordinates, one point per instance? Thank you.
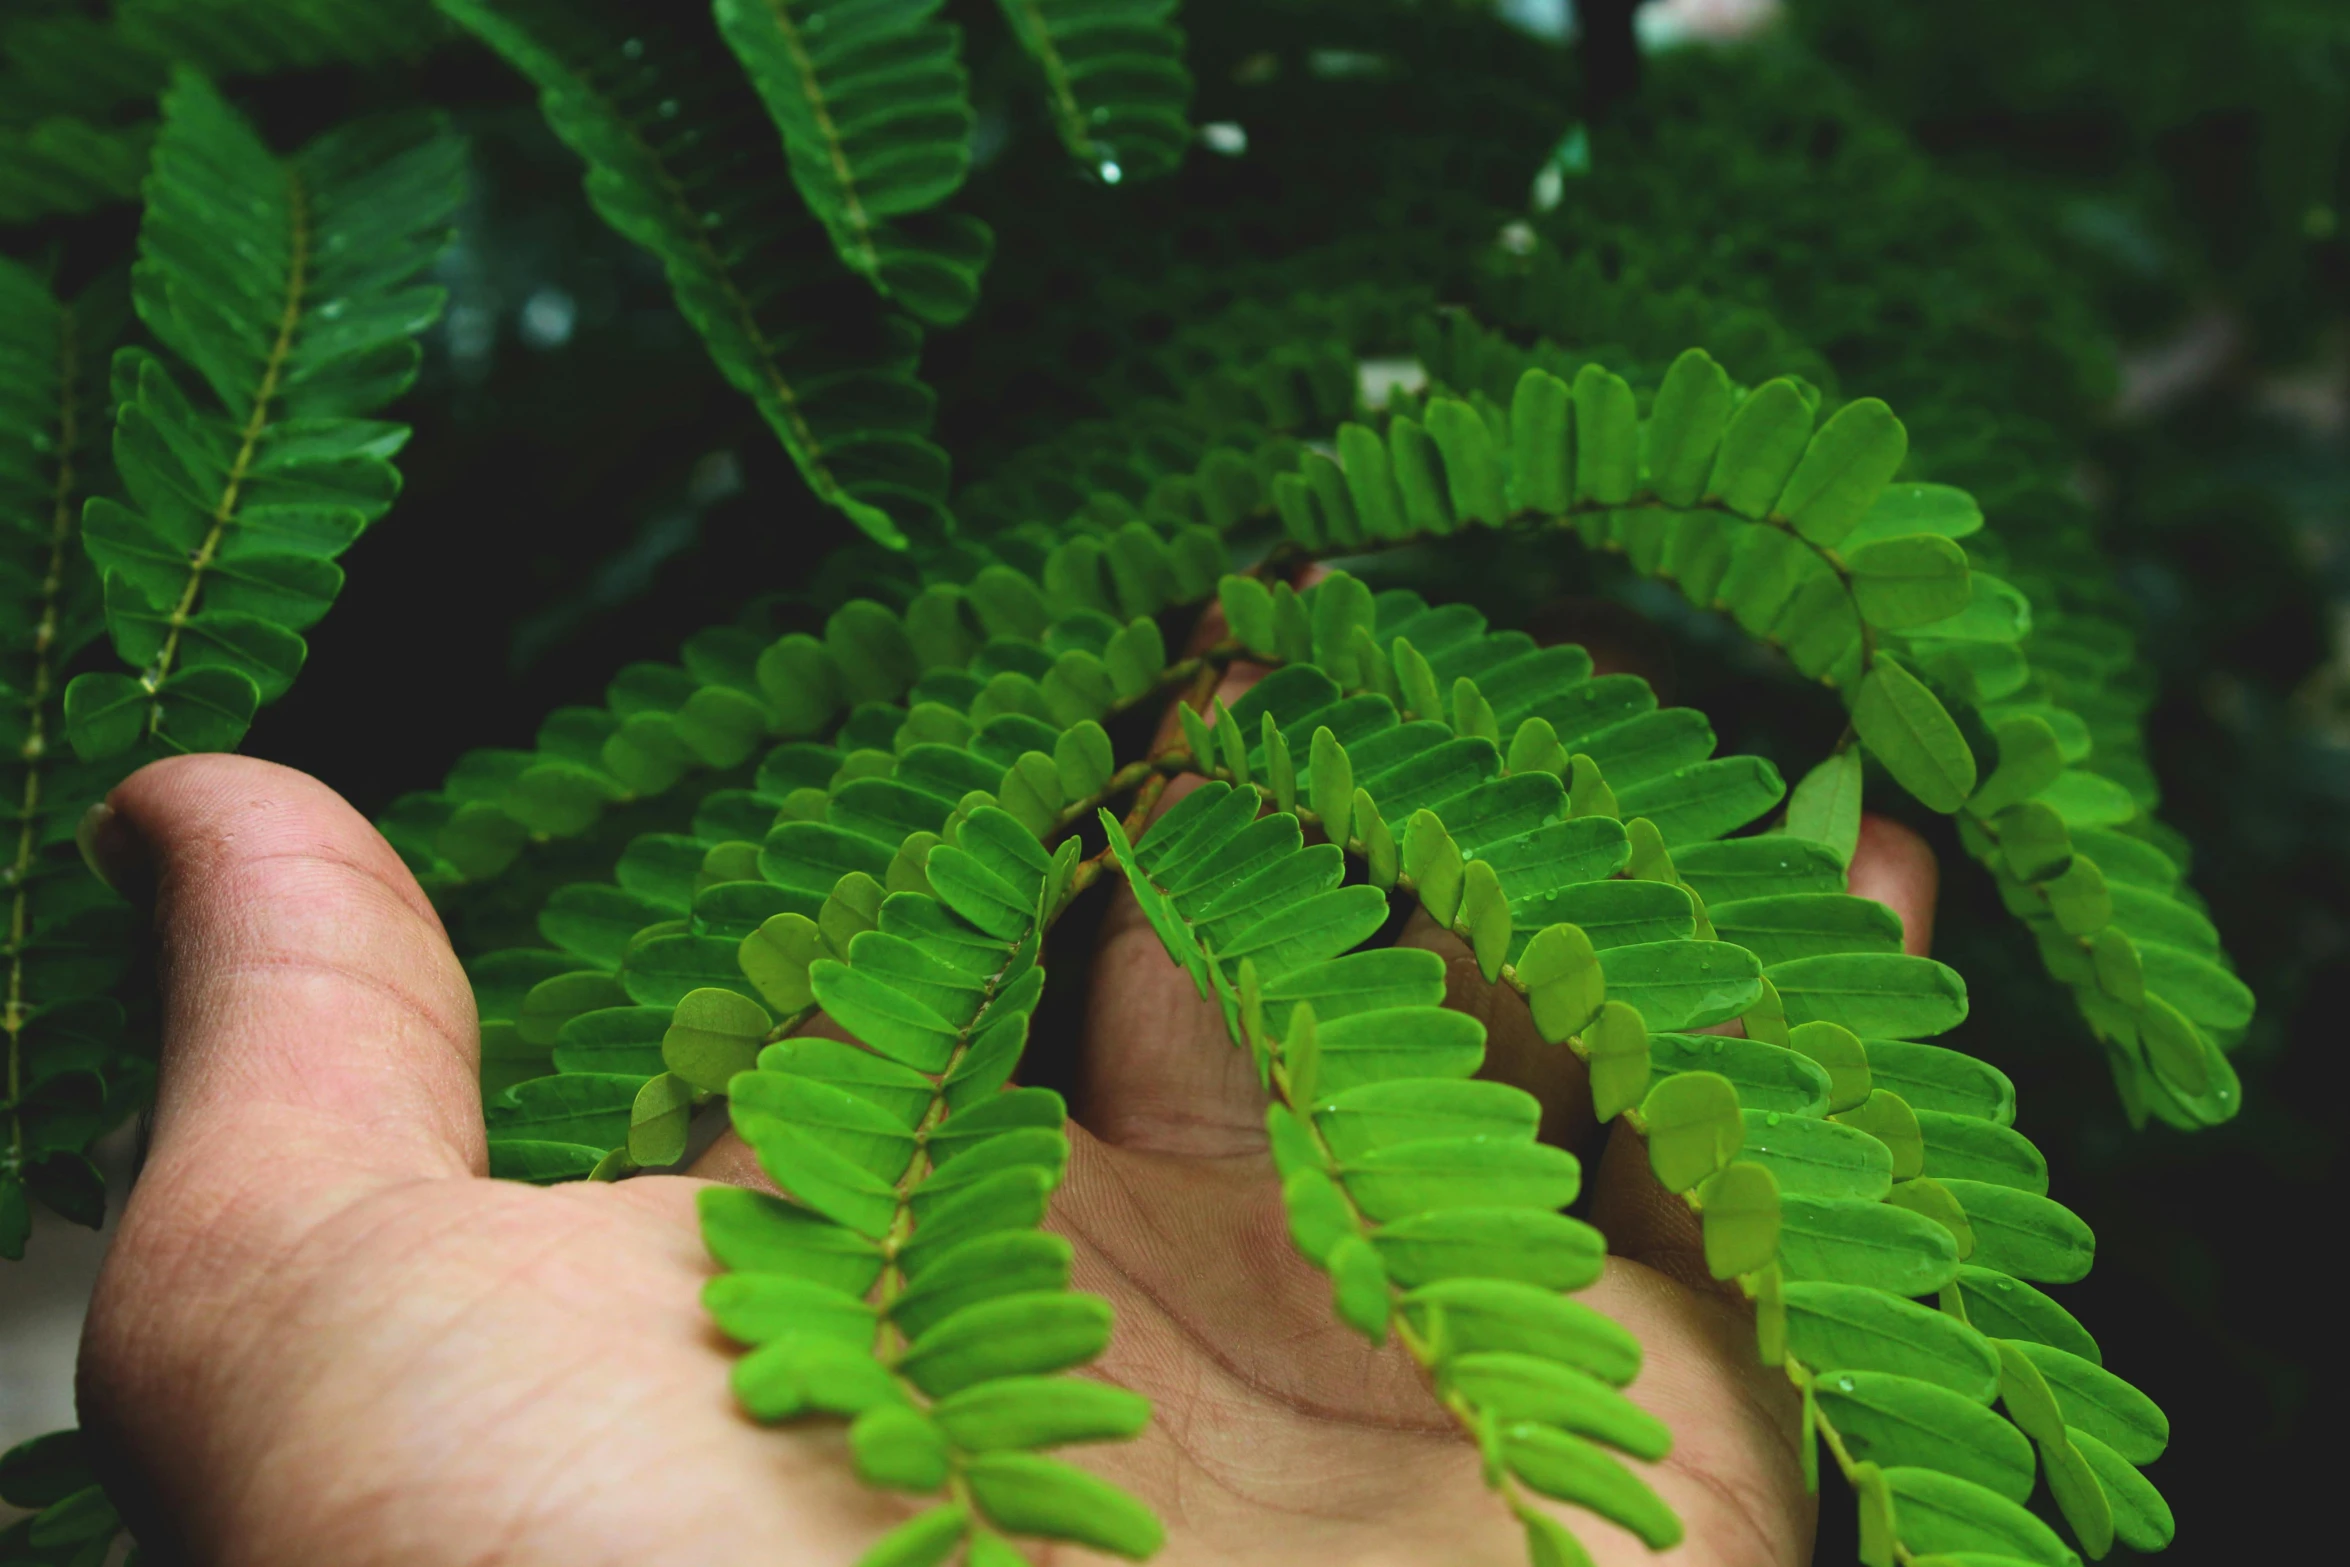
(249, 443)
(1068, 113)
(853, 207)
(33, 752)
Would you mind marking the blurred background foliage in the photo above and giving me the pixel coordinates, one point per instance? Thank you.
(2094, 244)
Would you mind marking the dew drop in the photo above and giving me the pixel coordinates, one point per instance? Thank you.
(1844, 1384)
(2004, 1285)
(1772, 1119)
(633, 49)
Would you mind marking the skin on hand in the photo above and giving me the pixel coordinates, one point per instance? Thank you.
(322, 1335)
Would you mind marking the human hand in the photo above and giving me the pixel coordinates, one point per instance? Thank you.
(321, 1334)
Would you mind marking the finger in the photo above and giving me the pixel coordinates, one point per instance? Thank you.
(313, 1014)
(1515, 1052)
(1641, 1220)
(1157, 1070)
(1897, 868)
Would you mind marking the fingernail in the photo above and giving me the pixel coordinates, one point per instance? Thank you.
(112, 851)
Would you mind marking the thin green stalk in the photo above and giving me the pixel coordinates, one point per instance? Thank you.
(249, 443)
(33, 752)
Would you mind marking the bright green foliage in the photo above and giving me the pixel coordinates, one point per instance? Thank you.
(1424, 1195)
(879, 816)
(901, 1283)
(1114, 80)
(289, 292)
(877, 127)
(1947, 636)
(69, 1072)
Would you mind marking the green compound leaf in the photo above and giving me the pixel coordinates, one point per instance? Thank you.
(2025, 1235)
(876, 128)
(1769, 1078)
(831, 372)
(1843, 472)
(2007, 1308)
(1932, 1078)
(1015, 1335)
(288, 293)
(1030, 1412)
(2141, 1518)
(1825, 806)
(1765, 441)
(713, 1035)
(1407, 1179)
(1945, 1513)
(1844, 1240)
(1114, 81)
(1740, 1206)
(1892, 1420)
(1522, 1388)
(1026, 1494)
(1875, 995)
(1807, 924)
(1682, 984)
(2100, 1403)
(1847, 1327)
(1693, 407)
(1901, 584)
(1908, 729)
(1694, 1128)
(1817, 1158)
(1573, 1470)
(925, 1540)
(1522, 1244)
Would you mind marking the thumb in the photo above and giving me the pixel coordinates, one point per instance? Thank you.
(313, 1014)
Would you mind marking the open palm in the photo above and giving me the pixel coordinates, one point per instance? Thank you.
(323, 1336)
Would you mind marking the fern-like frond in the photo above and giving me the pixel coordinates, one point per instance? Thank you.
(1847, 1194)
(903, 1283)
(290, 291)
(876, 119)
(1863, 1174)
(1424, 1195)
(1115, 84)
(259, 37)
(1067, 638)
(1794, 526)
(683, 160)
(62, 165)
(69, 1075)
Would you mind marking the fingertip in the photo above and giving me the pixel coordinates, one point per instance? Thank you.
(1515, 1051)
(184, 814)
(1641, 1220)
(1897, 868)
(312, 1005)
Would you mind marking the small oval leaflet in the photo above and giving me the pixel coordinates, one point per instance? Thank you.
(1849, 1327)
